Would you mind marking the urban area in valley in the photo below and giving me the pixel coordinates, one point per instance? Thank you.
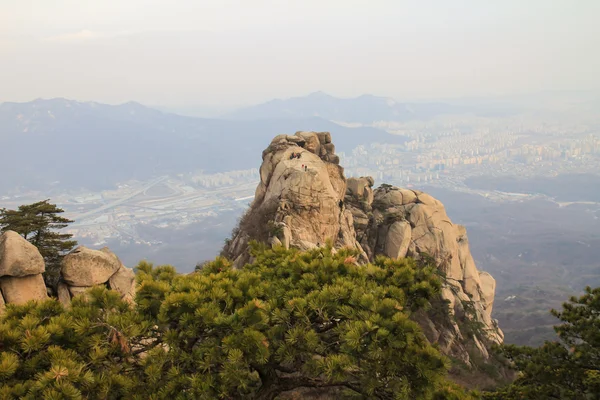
(443, 153)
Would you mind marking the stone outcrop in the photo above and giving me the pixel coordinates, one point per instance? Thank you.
(18, 257)
(488, 289)
(63, 294)
(123, 281)
(306, 201)
(85, 268)
(21, 268)
(19, 290)
(299, 200)
(78, 290)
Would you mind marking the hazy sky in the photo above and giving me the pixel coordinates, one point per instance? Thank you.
(224, 52)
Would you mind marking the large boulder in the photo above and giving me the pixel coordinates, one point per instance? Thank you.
(123, 281)
(18, 257)
(360, 189)
(19, 290)
(87, 267)
(403, 222)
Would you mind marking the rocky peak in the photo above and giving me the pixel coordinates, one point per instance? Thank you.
(304, 200)
(299, 201)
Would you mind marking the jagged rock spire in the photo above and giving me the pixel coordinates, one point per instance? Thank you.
(299, 201)
(304, 200)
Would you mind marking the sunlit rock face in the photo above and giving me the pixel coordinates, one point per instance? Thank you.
(409, 223)
(21, 268)
(304, 200)
(299, 200)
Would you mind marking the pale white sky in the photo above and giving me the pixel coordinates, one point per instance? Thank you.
(223, 52)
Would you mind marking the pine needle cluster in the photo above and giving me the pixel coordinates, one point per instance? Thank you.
(287, 321)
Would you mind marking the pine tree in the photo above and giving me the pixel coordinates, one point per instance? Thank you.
(292, 320)
(288, 321)
(40, 224)
(89, 351)
(567, 369)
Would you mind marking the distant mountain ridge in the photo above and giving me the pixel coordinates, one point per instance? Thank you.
(364, 109)
(42, 113)
(94, 145)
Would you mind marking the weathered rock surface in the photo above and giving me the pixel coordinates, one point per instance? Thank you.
(123, 281)
(18, 257)
(79, 290)
(87, 267)
(84, 268)
(398, 239)
(2, 304)
(299, 199)
(307, 201)
(405, 222)
(488, 289)
(21, 267)
(19, 290)
(64, 296)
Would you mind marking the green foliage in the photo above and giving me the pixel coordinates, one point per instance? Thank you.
(275, 229)
(569, 369)
(87, 351)
(289, 320)
(292, 320)
(469, 324)
(39, 223)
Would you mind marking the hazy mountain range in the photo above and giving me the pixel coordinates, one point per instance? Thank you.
(364, 109)
(96, 145)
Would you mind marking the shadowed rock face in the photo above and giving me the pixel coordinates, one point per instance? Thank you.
(304, 202)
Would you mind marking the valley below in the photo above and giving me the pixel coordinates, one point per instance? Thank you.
(524, 184)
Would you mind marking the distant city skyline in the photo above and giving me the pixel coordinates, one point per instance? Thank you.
(235, 53)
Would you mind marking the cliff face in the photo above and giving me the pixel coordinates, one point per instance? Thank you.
(397, 223)
(304, 200)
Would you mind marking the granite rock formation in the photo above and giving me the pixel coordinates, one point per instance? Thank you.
(409, 223)
(85, 268)
(22, 266)
(304, 200)
(299, 200)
